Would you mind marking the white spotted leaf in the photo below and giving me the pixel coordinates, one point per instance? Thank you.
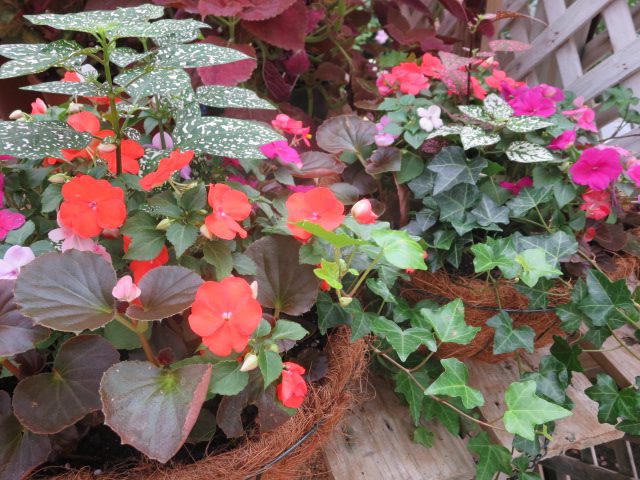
(526, 152)
(36, 140)
(220, 96)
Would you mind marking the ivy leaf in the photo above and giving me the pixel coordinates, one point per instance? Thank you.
(412, 393)
(453, 383)
(497, 107)
(452, 168)
(17, 332)
(525, 409)
(604, 298)
(527, 199)
(535, 266)
(177, 399)
(181, 237)
(567, 354)
(360, 321)
(524, 124)
(220, 96)
(526, 152)
(330, 313)
(472, 137)
(614, 404)
(330, 273)
(557, 246)
(508, 339)
(270, 365)
(448, 323)
(35, 140)
(381, 289)
(399, 249)
(50, 402)
(488, 212)
(423, 436)
(454, 203)
(80, 297)
(492, 458)
(227, 379)
(495, 254)
(404, 342)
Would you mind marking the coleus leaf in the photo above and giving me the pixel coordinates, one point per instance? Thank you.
(177, 399)
(452, 167)
(17, 332)
(35, 140)
(220, 96)
(448, 323)
(229, 74)
(68, 291)
(50, 402)
(345, 133)
(453, 383)
(404, 342)
(287, 30)
(166, 291)
(525, 409)
(492, 458)
(507, 338)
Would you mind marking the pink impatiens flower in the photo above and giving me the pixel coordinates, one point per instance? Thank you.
(597, 168)
(125, 290)
(517, 186)
(282, 150)
(14, 259)
(582, 115)
(382, 138)
(563, 141)
(38, 107)
(532, 101)
(9, 221)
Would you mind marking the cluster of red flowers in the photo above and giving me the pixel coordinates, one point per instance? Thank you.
(409, 77)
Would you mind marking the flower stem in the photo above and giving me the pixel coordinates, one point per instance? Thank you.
(11, 367)
(364, 275)
(144, 342)
(114, 118)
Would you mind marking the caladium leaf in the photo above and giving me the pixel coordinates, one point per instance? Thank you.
(86, 89)
(20, 450)
(406, 341)
(507, 338)
(345, 133)
(17, 332)
(166, 291)
(492, 458)
(472, 137)
(448, 323)
(177, 399)
(28, 59)
(453, 383)
(497, 107)
(68, 291)
(527, 152)
(525, 409)
(227, 137)
(50, 402)
(452, 168)
(283, 283)
(220, 96)
(35, 140)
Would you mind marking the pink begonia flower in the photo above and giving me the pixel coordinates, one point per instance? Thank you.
(430, 118)
(382, 138)
(300, 188)
(156, 141)
(14, 259)
(563, 141)
(282, 150)
(597, 168)
(38, 107)
(9, 221)
(582, 115)
(381, 37)
(517, 186)
(362, 212)
(69, 240)
(125, 290)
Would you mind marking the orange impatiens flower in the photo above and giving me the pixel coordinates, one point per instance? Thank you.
(141, 267)
(167, 167)
(225, 314)
(130, 152)
(319, 206)
(90, 206)
(229, 207)
(292, 390)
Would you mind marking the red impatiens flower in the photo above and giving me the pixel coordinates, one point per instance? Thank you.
(410, 78)
(167, 167)
(141, 267)
(89, 206)
(292, 389)
(319, 206)
(225, 314)
(86, 122)
(597, 204)
(362, 212)
(130, 152)
(229, 207)
(74, 77)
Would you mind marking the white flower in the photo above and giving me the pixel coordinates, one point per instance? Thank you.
(430, 118)
(381, 37)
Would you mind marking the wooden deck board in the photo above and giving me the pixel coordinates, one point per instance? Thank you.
(617, 362)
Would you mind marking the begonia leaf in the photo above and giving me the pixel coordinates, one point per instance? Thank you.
(68, 291)
(319, 164)
(177, 396)
(345, 133)
(384, 159)
(50, 402)
(35, 140)
(166, 291)
(283, 283)
(17, 332)
(453, 383)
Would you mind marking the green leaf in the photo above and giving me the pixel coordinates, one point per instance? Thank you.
(287, 330)
(535, 266)
(454, 203)
(177, 399)
(557, 246)
(453, 383)
(18, 334)
(217, 253)
(527, 199)
(227, 137)
(508, 339)
(399, 249)
(51, 198)
(339, 240)
(20, 235)
(122, 337)
(146, 241)
(472, 137)
(404, 342)
(194, 199)
(492, 458)
(448, 323)
(412, 166)
(488, 212)
(494, 254)
(567, 354)
(526, 152)
(270, 365)
(452, 168)
(243, 264)
(227, 379)
(604, 298)
(50, 402)
(525, 124)
(80, 297)
(166, 291)
(497, 107)
(412, 393)
(359, 320)
(35, 140)
(525, 409)
(614, 404)
(181, 237)
(424, 437)
(330, 313)
(27, 59)
(231, 97)
(378, 287)
(330, 273)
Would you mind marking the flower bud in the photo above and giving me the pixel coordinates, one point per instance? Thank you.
(204, 231)
(362, 211)
(16, 115)
(254, 289)
(125, 290)
(164, 224)
(75, 107)
(106, 147)
(58, 178)
(250, 362)
(345, 301)
(273, 348)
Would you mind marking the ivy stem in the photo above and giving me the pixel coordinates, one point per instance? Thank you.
(146, 346)
(624, 345)
(364, 275)
(11, 367)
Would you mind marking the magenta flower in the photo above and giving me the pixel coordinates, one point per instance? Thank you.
(597, 168)
(582, 115)
(382, 138)
(282, 150)
(563, 141)
(14, 259)
(555, 94)
(634, 174)
(381, 37)
(533, 102)
(519, 185)
(9, 221)
(301, 188)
